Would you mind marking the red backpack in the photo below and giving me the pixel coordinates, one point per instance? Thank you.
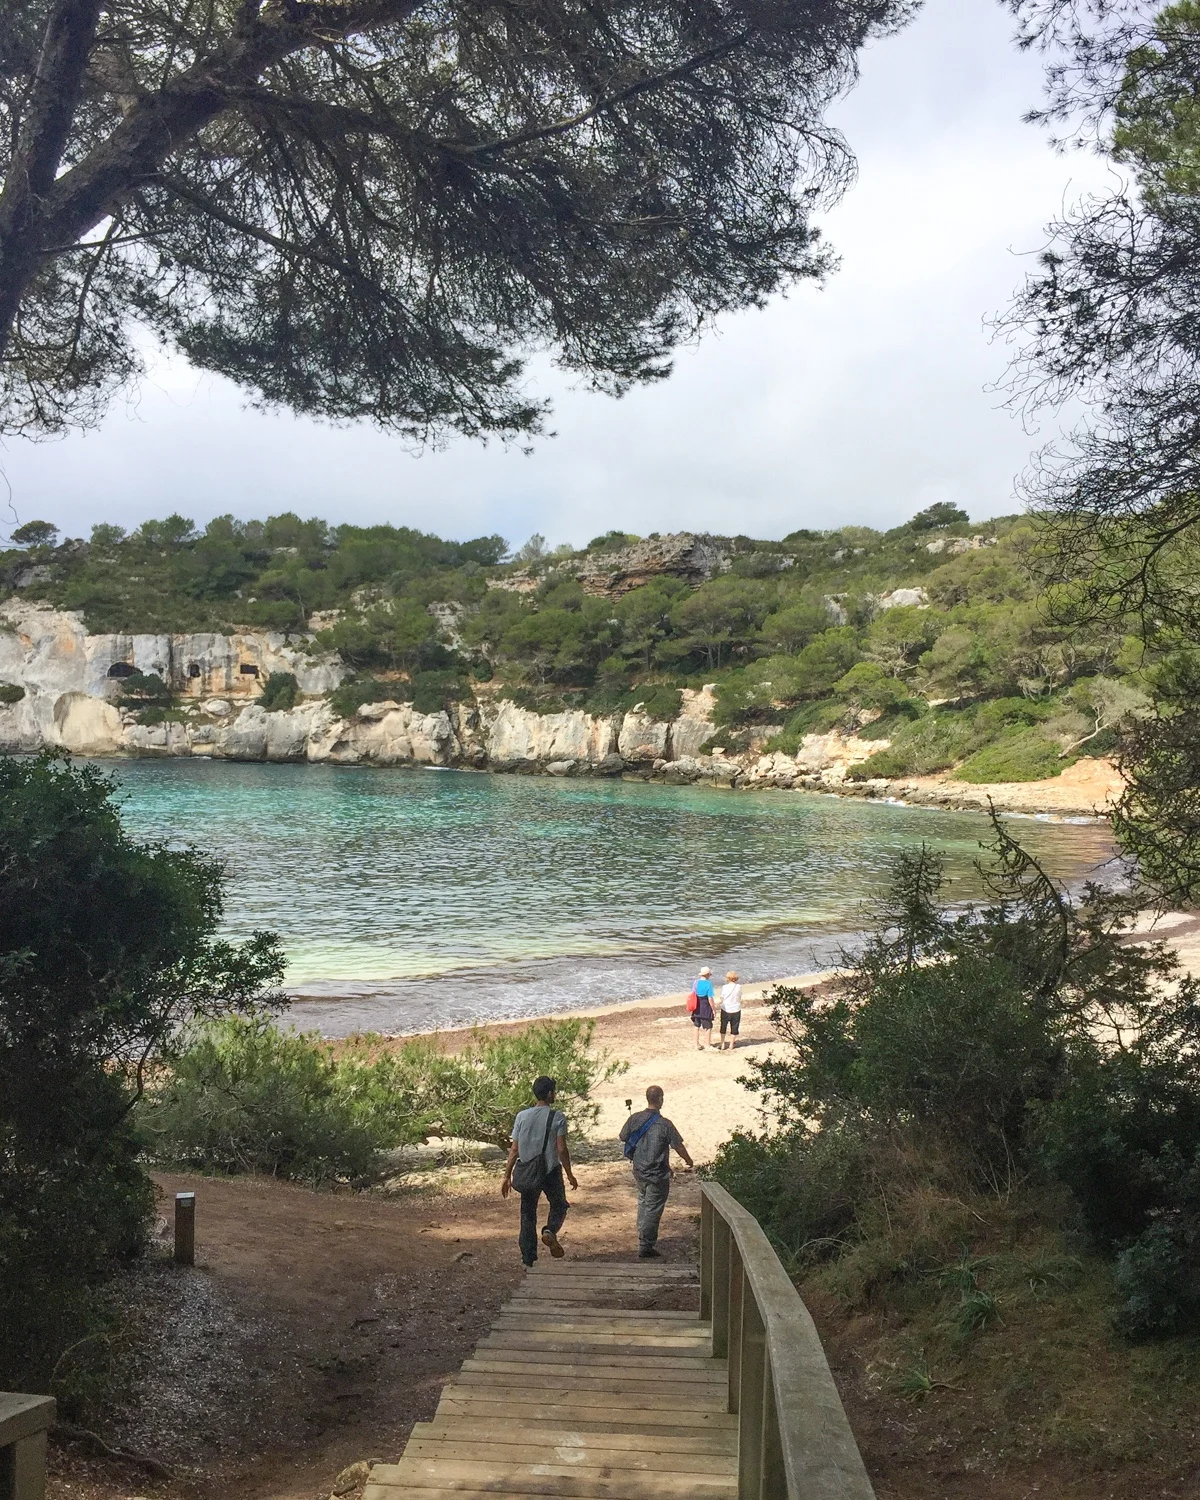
(692, 1000)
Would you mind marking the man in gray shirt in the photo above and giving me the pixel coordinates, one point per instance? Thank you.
(541, 1130)
(649, 1140)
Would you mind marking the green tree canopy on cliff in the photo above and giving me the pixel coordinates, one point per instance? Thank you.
(370, 207)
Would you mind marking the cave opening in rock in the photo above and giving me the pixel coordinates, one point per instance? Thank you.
(122, 669)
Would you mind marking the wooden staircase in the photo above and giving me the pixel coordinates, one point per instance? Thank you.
(594, 1382)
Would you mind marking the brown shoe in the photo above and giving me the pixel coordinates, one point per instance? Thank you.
(550, 1240)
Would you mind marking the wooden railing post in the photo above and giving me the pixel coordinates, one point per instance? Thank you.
(773, 1481)
(737, 1281)
(24, 1421)
(706, 1258)
(752, 1390)
(720, 1287)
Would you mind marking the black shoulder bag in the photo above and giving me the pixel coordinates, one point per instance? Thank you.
(528, 1176)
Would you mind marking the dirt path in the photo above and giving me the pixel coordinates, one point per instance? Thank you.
(315, 1328)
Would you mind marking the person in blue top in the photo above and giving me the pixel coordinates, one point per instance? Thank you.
(702, 1015)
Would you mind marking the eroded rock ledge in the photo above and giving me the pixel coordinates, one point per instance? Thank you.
(70, 694)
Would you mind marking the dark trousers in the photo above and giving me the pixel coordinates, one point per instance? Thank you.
(556, 1197)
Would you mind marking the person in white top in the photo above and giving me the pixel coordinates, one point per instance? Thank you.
(731, 1010)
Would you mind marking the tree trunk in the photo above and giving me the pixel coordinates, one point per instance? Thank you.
(44, 130)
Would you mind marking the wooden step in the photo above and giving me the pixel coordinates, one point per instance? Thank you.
(667, 1398)
(460, 1401)
(594, 1452)
(615, 1346)
(547, 1479)
(466, 1429)
(647, 1371)
(582, 1389)
(598, 1323)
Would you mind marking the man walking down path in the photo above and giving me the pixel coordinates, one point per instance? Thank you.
(539, 1143)
(649, 1139)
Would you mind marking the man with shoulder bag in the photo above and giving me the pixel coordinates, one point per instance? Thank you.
(649, 1139)
(537, 1160)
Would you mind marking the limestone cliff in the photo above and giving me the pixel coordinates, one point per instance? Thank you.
(72, 681)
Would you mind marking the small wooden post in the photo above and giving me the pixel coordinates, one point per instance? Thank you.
(185, 1229)
(23, 1424)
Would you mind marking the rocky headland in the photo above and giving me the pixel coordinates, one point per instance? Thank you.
(71, 690)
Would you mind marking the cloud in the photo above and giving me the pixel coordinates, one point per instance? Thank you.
(861, 402)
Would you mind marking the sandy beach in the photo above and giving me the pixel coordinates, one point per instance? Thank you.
(705, 1093)
(705, 1096)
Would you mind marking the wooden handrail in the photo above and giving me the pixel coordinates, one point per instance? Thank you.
(794, 1442)
(24, 1421)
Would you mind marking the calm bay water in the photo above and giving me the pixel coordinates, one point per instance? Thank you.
(410, 899)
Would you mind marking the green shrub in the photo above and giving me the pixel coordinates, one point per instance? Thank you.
(894, 721)
(867, 684)
(802, 1186)
(11, 693)
(1018, 755)
(922, 747)
(142, 690)
(660, 703)
(542, 700)
(106, 951)
(245, 1096)
(1158, 1277)
(813, 718)
(433, 692)
(350, 696)
(1025, 1039)
(732, 741)
(280, 692)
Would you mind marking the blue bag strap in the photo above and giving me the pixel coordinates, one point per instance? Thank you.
(632, 1140)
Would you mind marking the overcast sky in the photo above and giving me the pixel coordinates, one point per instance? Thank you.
(860, 402)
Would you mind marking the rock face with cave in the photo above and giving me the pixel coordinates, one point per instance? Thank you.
(74, 691)
(70, 677)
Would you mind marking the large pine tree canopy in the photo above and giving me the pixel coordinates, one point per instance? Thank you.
(376, 207)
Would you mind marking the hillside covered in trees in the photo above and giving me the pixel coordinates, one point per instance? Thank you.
(932, 636)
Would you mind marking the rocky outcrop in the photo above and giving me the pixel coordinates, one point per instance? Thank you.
(71, 678)
(694, 558)
(515, 739)
(72, 701)
(684, 555)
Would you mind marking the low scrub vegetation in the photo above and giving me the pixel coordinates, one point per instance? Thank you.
(280, 692)
(245, 1096)
(988, 1141)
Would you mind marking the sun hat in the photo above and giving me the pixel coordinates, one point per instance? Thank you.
(705, 972)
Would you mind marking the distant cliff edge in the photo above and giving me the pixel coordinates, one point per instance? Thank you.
(72, 684)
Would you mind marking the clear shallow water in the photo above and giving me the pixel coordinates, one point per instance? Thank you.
(411, 899)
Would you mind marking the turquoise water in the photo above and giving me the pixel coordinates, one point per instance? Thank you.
(410, 898)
